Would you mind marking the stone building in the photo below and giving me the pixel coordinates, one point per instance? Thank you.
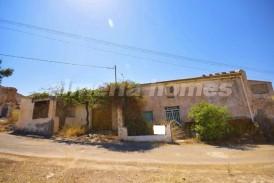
(166, 100)
(43, 117)
(40, 116)
(9, 99)
(171, 100)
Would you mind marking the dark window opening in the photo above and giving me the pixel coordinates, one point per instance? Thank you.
(41, 109)
(173, 113)
(5, 111)
(170, 92)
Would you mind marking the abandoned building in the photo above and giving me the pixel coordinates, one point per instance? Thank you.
(166, 100)
(9, 100)
(171, 100)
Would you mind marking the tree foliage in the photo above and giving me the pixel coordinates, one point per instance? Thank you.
(127, 94)
(104, 96)
(38, 95)
(211, 121)
(7, 72)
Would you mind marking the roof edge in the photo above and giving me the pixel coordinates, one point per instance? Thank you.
(211, 76)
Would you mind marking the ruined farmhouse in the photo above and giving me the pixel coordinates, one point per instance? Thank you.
(165, 100)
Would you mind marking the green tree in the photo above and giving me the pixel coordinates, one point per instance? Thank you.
(210, 121)
(128, 95)
(65, 100)
(7, 72)
(90, 98)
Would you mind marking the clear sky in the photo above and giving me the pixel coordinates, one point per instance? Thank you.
(235, 32)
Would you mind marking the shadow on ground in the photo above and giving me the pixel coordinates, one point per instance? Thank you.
(124, 146)
(115, 145)
(242, 147)
(120, 146)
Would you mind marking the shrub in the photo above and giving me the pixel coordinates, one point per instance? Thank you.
(210, 121)
(139, 127)
(72, 130)
(133, 115)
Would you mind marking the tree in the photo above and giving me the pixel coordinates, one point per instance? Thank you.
(127, 94)
(7, 72)
(90, 98)
(210, 121)
(65, 100)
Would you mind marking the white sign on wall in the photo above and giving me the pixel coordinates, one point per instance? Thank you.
(159, 129)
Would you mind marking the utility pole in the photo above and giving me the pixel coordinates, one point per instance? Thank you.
(115, 72)
(1, 76)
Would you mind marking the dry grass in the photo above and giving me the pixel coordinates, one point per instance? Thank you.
(14, 116)
(17, 169)
(189, 141)
(72, 130)
(5, 125)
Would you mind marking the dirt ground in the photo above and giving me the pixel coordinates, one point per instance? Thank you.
(23, 169)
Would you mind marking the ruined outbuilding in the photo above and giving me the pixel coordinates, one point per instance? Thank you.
(9, 100)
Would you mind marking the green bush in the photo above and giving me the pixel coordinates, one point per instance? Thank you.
(139, 127)
(210, 121)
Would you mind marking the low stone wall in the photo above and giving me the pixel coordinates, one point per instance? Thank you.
(123, 135)
(44, 127)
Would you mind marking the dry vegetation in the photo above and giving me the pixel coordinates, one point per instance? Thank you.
(7, 124)
(72, 130)
(14, 116)
(17, 169)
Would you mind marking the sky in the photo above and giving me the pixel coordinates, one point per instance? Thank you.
(238, 33)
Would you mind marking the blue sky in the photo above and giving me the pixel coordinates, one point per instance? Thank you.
(235, 32)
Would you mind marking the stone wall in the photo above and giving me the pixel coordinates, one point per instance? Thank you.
(79, 116)
(42, 126)
(261, 96)
(194, 91)
(50, 123)
(102, 118)
(167, 137)
(8, 94)
(9, 100)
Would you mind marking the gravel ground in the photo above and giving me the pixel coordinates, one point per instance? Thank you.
(23, 169)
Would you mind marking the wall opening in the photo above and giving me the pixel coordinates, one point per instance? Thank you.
(41, 109)
(173, 113)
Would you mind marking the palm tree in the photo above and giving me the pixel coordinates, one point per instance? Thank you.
(5, 72)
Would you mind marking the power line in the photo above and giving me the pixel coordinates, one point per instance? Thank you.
(128, 47)
(31, 33)
(54, 61)
(108, 51)
(118, 53)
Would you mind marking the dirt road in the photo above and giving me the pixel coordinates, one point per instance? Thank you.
(21, 169)
(24, 159)
(137, 152)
